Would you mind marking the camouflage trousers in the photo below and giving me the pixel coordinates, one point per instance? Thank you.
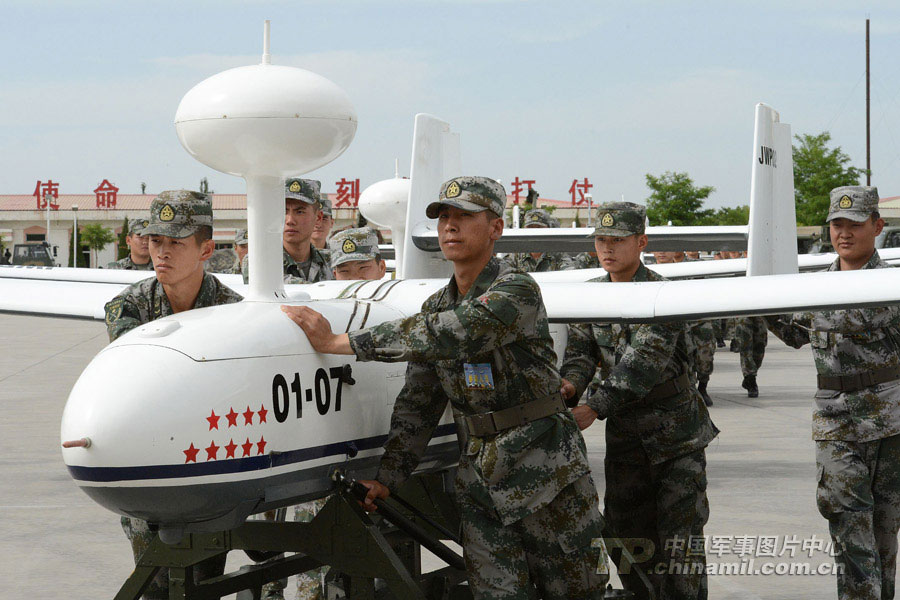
(752, 336)
(859, 493)
(719, 327)
(548, 554)
(666, 505)
(140, 536)
(703, 351)
(311, 584)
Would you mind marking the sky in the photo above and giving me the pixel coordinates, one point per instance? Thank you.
(550, 91)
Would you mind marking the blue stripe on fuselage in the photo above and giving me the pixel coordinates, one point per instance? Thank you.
(239, 465)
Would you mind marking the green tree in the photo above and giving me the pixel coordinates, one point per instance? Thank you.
(817, 170)
(122, 249)
(96, 237)
(729, 215)
(675, 198)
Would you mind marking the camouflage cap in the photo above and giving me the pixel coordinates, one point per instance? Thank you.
(473, 194)
(854, 202)
(179, 213)
(353, 244)
(137, 226)
(304, 190)
(240, 237)
(538, 217)
(325, 204)
(620, 219)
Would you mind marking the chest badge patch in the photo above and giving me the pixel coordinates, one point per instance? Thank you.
(478, 376)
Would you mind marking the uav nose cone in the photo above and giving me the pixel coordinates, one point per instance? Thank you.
(265, 120)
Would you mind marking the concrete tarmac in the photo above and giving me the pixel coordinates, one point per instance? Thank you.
(54, 541)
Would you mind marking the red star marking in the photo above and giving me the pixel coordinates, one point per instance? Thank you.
(229, 449)
(246, 447)
(190, 455)
(248, 416)
(261, 445)
(213, 420)
(211, 451)
(262, 412)
(232, 418)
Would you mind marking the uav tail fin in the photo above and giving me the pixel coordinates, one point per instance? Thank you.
(772, 241)
(435, 158)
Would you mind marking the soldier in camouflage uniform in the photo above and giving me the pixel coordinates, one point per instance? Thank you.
(241, 245)
(221, 261)
(856, 420)
(584, 260)
(751, 337)
(701, 339)
(302, 262)
(702, 349)
(535, 262)
(528, 503)
(180, 232)
(323, 227)
(355, 255)
(657, 426)
(138, 258)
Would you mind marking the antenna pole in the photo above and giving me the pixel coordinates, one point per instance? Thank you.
(266, 57)
(868, 123)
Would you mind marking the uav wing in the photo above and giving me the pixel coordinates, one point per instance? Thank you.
(728, 267)
(714, 298)
(580, 239)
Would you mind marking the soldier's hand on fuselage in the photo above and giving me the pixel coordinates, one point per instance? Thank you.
(584, 416)
(318, 330)
(376, 490)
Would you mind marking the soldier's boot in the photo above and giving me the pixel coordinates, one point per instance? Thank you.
(701, 387)
(734, 346)
(749, 384)
(720, 342)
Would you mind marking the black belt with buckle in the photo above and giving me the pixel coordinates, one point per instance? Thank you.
(499, 420)
(858, 381)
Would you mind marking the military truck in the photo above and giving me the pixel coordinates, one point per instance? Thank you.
(37, 255)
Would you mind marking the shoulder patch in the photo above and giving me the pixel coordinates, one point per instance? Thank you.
(114, 309)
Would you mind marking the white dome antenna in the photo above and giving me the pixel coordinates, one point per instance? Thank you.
(264, 123)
